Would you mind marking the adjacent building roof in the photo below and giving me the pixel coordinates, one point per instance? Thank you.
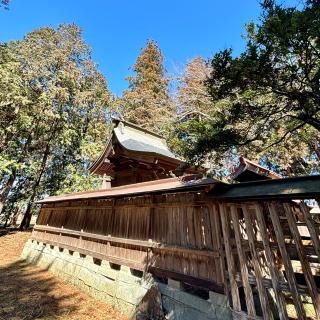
(302, 187)
(251, 171)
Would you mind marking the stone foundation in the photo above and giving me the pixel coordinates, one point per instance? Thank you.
(121, 286)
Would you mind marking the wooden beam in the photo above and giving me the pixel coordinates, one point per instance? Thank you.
(243, 263)
(275, 279)
(256, 266)
(140, 243)
(196, 282)
(314, 294)
(113, 259)
(230, 259)
(286, 261)
(283, 285)
(216, 234)
(313, 228)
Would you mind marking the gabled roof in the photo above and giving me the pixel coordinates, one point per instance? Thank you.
(250, 171)
(134, 139)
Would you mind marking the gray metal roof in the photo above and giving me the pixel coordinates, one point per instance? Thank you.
(134, 139)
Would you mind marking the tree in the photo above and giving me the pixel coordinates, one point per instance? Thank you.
(147, 101)
(267, 100)
(192, 94)
(4, 3)
(54, 105)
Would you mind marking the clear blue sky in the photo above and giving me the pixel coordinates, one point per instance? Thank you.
(116, 30)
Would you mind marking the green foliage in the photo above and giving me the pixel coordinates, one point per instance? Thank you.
(266, 101)
(147, 101)
(4, 3)
(54, 110)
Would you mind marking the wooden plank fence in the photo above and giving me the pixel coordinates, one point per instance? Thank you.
(245, 249)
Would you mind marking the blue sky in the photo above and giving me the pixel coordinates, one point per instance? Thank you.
(116, 30)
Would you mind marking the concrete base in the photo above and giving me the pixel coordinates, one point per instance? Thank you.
(121, 287)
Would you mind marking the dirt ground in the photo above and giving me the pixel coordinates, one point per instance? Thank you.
(28, 292)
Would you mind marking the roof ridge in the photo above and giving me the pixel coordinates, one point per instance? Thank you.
(135, 126)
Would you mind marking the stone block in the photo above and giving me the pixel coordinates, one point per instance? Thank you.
(218, 299)
(174, 284)
(121, 288)
(223, 313)
(108, 286)
(128, 278)
(130, 293)
(177, 301)
(125, 269)
(124, 307)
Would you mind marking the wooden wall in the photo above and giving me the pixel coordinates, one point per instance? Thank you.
(169, 232)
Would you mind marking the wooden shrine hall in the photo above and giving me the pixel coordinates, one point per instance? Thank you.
(190, 247)
(133, 155)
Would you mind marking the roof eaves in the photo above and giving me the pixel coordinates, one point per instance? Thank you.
(170, 184)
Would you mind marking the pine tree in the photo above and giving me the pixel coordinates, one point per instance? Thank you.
(147, 101)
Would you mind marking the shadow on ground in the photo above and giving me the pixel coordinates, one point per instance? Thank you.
(31, 293)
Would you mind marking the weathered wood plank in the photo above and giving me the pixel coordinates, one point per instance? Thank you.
(314, 294)
(283, 285)
(217, 240)
(194, 281)
(313, 228)
(272, 266)
(243, 263)
(113, 259)
(286, 261)
(230, 259)
(139, 243)
(255, 260)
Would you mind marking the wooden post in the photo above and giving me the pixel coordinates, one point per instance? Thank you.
(255, 261)
(243, 263)
(314, 294)
(106, 182)
(230, 258)
(216, 238)
(286, 261)
(313, 229)
(272, 266)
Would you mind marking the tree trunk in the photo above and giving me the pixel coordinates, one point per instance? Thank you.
(16, 214)
(12, 178)
(25, 223)
(7, 189)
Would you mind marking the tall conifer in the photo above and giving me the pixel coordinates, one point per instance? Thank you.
(147, 101)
